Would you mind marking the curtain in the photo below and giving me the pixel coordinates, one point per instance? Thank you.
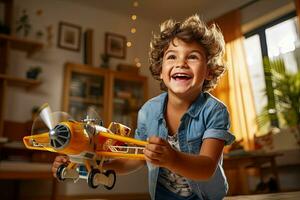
(235, 87)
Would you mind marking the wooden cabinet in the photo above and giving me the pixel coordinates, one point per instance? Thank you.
(116, 96)
(127, 93)
(84, 87)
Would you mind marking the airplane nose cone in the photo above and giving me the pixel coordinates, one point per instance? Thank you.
(60, 136)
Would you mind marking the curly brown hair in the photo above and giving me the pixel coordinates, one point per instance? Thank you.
(190, 30)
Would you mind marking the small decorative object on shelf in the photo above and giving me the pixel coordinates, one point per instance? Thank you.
(34, 112)
(39, 34)
(105, 60)
(33, 72)
(23, 24)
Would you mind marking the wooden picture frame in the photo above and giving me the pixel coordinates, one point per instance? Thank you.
(115, 45)
(69, 36)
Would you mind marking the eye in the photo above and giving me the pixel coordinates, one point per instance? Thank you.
(171, 57)
(193, 57)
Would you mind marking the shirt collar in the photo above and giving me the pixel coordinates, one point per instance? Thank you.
(197, 105)
(193, 110)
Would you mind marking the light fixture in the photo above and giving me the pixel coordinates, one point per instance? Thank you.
(135, 4)
(133, 17)
(133, 30)
(128, 44)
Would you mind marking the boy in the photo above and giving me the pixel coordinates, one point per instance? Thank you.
(186, 127)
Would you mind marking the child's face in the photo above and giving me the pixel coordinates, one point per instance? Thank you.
(184, 68)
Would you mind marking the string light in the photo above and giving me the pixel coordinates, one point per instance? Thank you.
(129, 44)
(133, 17)
(135, 4)
(138, 64)
(133, 30)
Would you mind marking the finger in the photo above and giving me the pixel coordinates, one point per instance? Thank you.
(53, 169)
(152, 155)
(57, 164)
(62, 159)
(156, 140)
(155, 148)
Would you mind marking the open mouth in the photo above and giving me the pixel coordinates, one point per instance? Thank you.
(181, 76)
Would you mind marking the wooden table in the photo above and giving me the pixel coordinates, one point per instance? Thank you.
(241, 163)
(271, 196)
(14, 170)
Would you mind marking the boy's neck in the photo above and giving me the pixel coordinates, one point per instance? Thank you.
(180, 103)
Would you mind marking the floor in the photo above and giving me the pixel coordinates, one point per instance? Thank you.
(273, 196)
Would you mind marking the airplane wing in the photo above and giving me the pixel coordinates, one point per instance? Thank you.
(132, 150)
(123, 139)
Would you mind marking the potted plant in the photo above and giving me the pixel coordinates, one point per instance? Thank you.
(286, 87)
(33, 72)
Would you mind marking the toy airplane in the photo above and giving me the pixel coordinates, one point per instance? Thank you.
(88, 145)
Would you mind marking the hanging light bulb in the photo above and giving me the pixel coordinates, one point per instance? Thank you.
(129, 44)
(133, 30)
(135, 4)
(133, 17)
(138, 64)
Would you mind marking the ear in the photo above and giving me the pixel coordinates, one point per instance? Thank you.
(160, 76)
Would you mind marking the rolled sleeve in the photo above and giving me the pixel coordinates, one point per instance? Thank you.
(219, 134)
(217, 126)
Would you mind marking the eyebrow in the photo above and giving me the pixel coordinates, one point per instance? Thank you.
(197, 51)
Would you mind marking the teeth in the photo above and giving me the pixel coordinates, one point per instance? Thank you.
(179, 75)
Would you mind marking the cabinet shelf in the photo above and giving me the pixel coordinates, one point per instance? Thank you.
(22, 44)
(21, 82)
(86, 100)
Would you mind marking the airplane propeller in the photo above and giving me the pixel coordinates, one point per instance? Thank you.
(49, 122)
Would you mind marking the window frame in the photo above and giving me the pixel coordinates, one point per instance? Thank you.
(260, 31)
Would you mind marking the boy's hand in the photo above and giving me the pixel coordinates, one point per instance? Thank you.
(59, 160)
(159, 152)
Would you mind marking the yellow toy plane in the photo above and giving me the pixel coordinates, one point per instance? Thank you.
(88, 144)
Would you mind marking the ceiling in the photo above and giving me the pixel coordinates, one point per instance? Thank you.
(158, 10)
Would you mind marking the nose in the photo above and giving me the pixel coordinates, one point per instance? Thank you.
(181, 63)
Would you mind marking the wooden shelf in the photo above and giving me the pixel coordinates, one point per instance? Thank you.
(22, 44)
(21, 82)
(86, 100)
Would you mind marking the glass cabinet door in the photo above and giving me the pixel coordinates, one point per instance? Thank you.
(128, 97)
(86, 91)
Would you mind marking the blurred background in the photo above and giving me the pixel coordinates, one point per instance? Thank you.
(77, 54)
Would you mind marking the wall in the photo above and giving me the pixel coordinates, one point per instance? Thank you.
(19, 102)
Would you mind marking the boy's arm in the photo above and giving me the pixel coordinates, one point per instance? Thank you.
(196, 167)
(123, 166)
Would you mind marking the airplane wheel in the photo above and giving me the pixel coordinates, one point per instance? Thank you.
(91, 176)
(111, 175)
(59, 172)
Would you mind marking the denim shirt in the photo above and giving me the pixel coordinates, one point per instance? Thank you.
(207, 117)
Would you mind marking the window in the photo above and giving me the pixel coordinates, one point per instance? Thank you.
(277, 38)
